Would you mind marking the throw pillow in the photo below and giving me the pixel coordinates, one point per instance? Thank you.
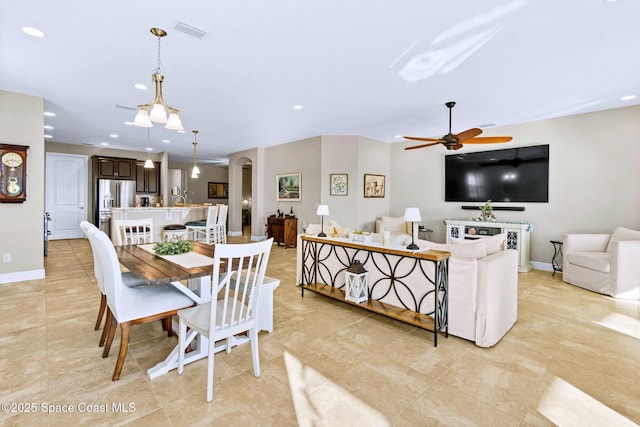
(394, 224)
(495, 243)
(620, 234)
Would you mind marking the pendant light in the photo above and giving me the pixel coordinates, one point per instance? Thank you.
(159, 107)
(148, 164)
(196, 170)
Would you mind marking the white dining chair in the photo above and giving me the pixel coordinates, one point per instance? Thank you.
(204, 233)
(237, 278)
(133, 231)
(219, 234)
(131, 306)
(128, 278)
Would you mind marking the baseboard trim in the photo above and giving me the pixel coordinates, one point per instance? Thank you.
(21, 276)
(258, 238)
(544, 266)
(234, 233)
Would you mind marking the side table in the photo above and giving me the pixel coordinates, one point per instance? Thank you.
(557, 256)
(424, 233)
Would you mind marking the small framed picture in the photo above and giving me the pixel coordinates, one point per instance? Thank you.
(373, 185)
(288, 187)
(338, 184)
(218, 190)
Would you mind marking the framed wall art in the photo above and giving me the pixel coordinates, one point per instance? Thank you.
(218, 190)
(288, 187)
(373, 185)
(338, 184)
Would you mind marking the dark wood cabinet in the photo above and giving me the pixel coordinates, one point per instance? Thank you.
(147, 180)
(115, 168)
(284, 230)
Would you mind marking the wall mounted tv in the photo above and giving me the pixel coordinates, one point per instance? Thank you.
(512, 175)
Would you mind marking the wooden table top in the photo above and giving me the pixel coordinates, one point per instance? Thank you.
(159, 271)
(430, 254)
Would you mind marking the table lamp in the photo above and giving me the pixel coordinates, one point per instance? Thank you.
(323, 210)
(412, 214)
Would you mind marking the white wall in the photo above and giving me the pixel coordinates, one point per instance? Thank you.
(593, 177)
(21, 225)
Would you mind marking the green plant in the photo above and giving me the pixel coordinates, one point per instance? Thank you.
(172, 248)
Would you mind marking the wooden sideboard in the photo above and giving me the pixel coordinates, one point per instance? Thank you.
(284, 230)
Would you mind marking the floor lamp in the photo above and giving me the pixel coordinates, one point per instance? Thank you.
(323, 210)
(412, 214)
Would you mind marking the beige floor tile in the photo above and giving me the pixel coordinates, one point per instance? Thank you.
(325, 363)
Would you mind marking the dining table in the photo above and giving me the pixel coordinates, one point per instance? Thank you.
(190, 273)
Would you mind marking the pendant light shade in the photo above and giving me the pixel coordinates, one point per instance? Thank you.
(159, 108)
(148, 164)
(196, 170)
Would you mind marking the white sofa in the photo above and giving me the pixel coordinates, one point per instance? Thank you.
(605, 263)
(483, 287)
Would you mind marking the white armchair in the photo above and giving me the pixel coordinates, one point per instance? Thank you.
(604, 263)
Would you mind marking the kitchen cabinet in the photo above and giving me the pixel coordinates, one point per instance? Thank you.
(114, 168)
(147, 180)
(284, 230)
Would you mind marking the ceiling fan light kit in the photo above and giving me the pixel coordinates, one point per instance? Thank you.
(159, 107)
(455, 142)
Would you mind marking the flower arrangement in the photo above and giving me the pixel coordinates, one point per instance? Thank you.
(172, 248)
(486, 213)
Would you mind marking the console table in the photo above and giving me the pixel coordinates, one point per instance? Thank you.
(409, 286)
(518, 235)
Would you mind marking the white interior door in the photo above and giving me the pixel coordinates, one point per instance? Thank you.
(66, 194)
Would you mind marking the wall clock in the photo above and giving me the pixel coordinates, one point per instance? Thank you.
(13, 173)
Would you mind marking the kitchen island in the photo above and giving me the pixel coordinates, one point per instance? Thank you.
(161, 216)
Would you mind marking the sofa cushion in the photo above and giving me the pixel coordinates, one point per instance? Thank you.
(470, 249)
(620, 234)
(394, 224)
(495, 243)
(598, 261)
(314, 229)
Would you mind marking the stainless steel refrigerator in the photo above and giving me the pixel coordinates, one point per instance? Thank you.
(112, 193)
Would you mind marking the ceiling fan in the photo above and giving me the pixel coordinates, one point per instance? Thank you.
(454, 142)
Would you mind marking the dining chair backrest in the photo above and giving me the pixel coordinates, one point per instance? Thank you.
(222, 214)
(88, 230)
(212, 216)
(111, 273)
(133, 231)
(238, 274)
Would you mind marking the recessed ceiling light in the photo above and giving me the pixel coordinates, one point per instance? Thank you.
(104, 143)
(48, 127)
(181, 131)
(48, 136)
(628, 98)
(34, 32)
(398, 136)
(166, 141)
(128, 123)
(297, 107)
(49, 114)
(140, 86)
(113, 135)
(149, 149)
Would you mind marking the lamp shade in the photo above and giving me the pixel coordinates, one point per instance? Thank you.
(148, 164)
(174, 123)
(323, 210)
(412, 214)
(142, 119)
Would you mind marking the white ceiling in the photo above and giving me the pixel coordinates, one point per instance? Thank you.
(376, 68)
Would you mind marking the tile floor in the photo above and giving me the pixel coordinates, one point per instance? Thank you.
(573, 358)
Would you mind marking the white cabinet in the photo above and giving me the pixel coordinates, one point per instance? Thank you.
(518, 236)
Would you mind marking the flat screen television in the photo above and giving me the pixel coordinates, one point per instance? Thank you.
(512, 175)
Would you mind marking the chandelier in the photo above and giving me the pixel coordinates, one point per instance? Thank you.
(196, 170)
(159, 107)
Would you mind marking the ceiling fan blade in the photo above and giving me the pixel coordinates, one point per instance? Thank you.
(422, 146)
(468, 134)
(419, 138)
(489, 140)
(457, 147)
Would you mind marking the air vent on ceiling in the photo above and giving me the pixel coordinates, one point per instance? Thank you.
(190, 30)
